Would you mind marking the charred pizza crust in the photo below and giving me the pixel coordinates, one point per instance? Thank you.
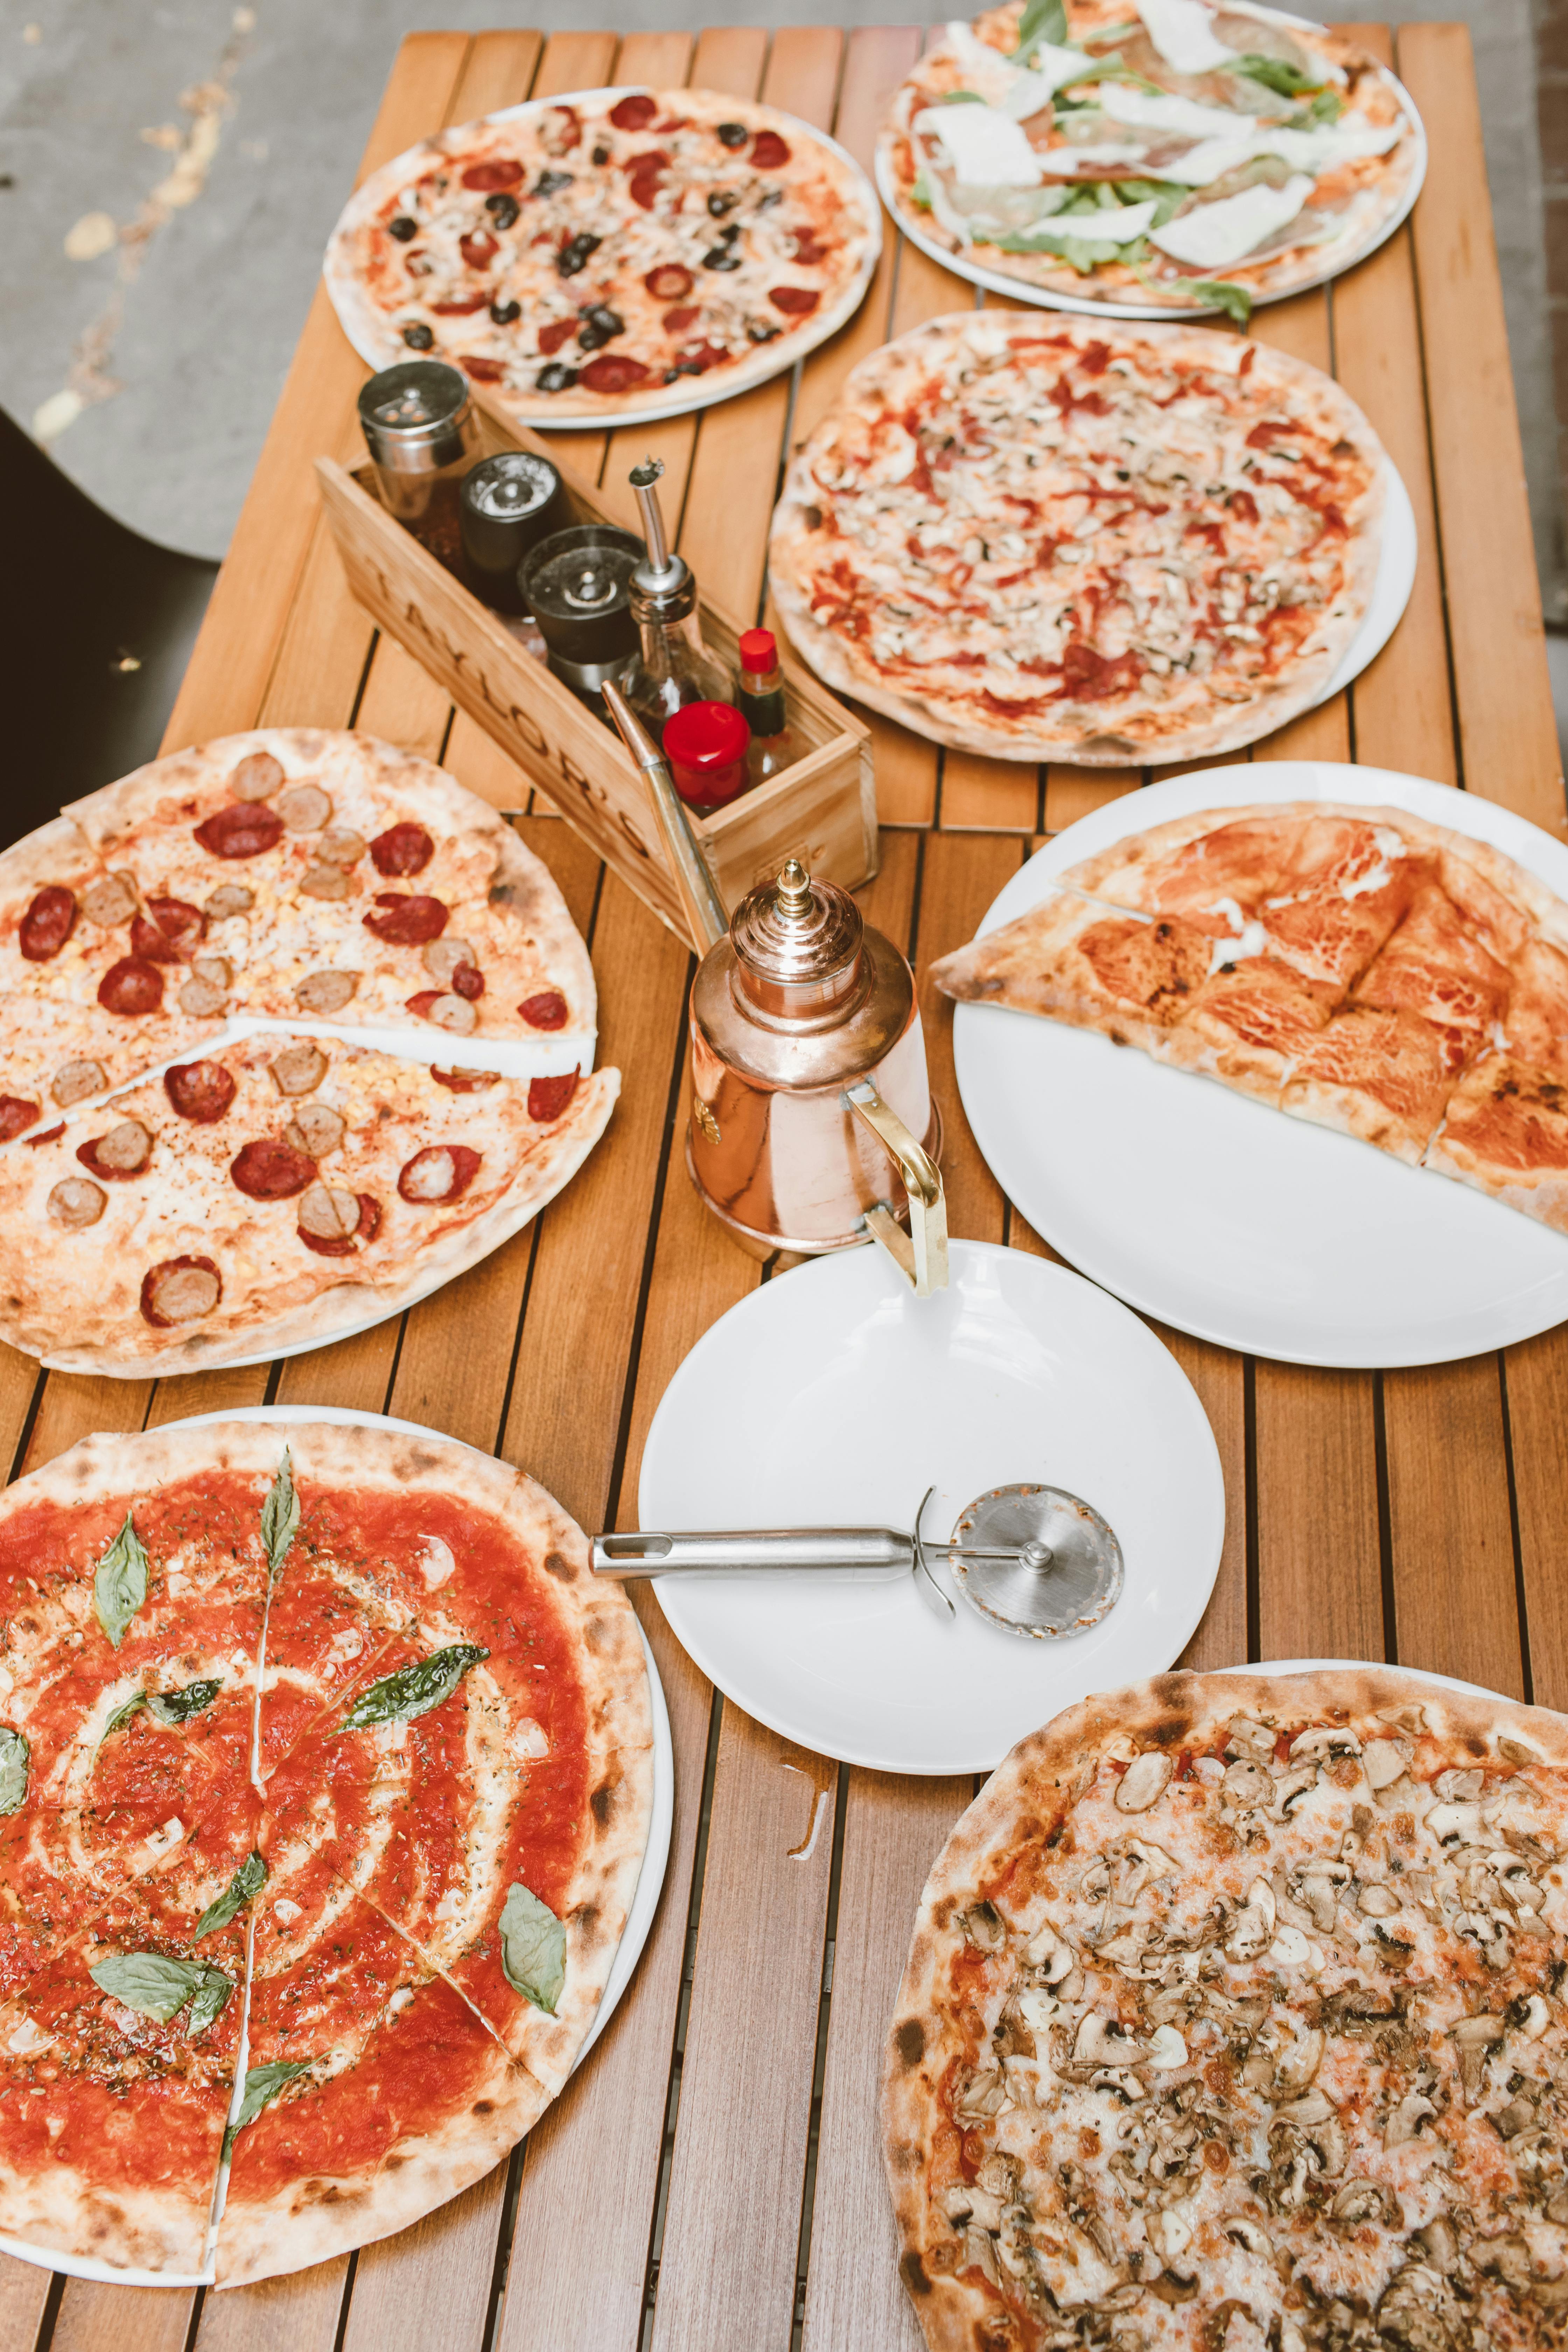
(991, 538)
(1241, 1994)
(702, 242)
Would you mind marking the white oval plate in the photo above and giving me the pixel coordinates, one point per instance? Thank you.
(831, 1396)
(1391, 586)
(1217, 1214)
(1332, 1665)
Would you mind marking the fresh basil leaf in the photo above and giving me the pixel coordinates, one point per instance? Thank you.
(1284, 81)
(262, 2084)
(413, 1690)
(1042, 20)
(211, 2000)
(122, 1714)
(146, 1981)
(179, 1705)
(120, 1582)
(532, 1948)
(247, 1882)
(15, 1757)
(963, 98)
(280, 1518)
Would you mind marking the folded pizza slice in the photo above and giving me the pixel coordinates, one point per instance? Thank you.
(1130, 977)
(1506, 1129)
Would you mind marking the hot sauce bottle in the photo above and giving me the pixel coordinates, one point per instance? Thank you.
(761, 703)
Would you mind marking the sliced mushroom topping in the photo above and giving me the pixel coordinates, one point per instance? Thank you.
(1100, 2041)
(1048, 1952)
(112, 901)
(75, 1202)
(229, 899)
(1291, 1787)
(1248, 1784)
(1365, 2200)
(1317, 1884)
(126, 1148)
(325, 880)
(1378, 1901)
(1253, 1926)
(1291, 1949)
(298, 1069)
(441, 958)
(1537, 2016)
(1473, 2037)
(1317, 1744)
(304, 808)
(984, 1925)
(1144, 1782)
(201, 998)
(1460, 1788)
(316, 1130)
(1457, 1824)
(326, 991)
(1405, 2121)
(1382, 1761)
(340, 845)
(1514, 1751)
(1441, 2241)
(1296, 2068)
(1242, 2230)
(1255, 1741)
(1166, 2048)
(74, 1081)
(330, 1215)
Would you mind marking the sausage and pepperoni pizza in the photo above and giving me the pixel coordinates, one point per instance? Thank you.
(292, 1029)
(1049, 538)
(325, 1779)
(1359, 968)
(1235, 2018)
(611, 253)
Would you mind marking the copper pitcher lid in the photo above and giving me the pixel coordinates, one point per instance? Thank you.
(797, 943)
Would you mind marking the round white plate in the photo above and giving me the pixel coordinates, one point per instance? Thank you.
(831, 1396)
(1217, 1214)
(381, 354)
(1394, 580)
(1332, 1665)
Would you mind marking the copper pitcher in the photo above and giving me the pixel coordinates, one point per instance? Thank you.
(811, 1124)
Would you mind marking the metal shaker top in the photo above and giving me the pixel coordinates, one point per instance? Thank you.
(412, 417)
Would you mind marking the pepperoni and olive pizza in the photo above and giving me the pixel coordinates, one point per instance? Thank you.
(1359, 968)
(616, 252)
(1048, 538)
(292, 1029)
(1235, 2022)
(325, 1778)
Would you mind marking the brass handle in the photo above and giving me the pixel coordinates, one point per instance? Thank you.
(922, 1256)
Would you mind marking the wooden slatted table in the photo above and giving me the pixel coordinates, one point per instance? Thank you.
(714, 2179)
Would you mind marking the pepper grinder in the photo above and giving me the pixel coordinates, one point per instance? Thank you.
(673, 666)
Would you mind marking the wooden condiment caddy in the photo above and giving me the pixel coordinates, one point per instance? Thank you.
(822, 810)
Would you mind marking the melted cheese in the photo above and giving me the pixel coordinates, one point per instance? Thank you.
(1216, 235)
(1163, 111)
(1183, 32)
(1019, 91)
(984, 147)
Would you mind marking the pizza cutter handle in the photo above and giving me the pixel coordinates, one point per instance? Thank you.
(856, 1555)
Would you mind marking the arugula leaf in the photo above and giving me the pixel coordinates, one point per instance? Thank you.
(1042, 20)
(963, 98)
(120, 1582)
(414, 1689)
(1163, 194)
(1327, 107)
(1284, 81)
(532, 1948)
(919, 193)
(211, 2000)
(15, 1757)
(262, 2084)
(179, 1705)
(247, 1882)
(1233, 300)
(146, 1981)
(122, 1714)
(280, 1518)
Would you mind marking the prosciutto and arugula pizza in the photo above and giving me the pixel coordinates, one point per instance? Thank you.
(325, 1778)
(1355, 967)
(292, 1029)
(613, 252)
(1052, 538)
(1235, 2018)
(1167, 155)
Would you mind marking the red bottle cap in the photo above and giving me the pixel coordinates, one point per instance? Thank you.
(706, 735)
(758, 651)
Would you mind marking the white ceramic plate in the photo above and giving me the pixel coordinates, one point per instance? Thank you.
(831, 1396)
(1332, 1665)
(639, 1916)
(1394, 578)
(1214, 1212)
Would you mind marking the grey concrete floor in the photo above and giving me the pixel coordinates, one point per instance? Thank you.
(169, 169)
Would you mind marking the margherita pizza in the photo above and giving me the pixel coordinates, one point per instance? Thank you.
(1177, 156)
(1356, 967)
(615, 252)
(346, 1026)
(1058, 538)
(325, 1777)
(1235, 2018)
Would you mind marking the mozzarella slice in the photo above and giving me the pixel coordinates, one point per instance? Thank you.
(1217, 235)
(1112, 225)
(1316, 152)
(983, 147)
(1017, 89)
(1162, 110)
(1076, 162)
(1183, 32)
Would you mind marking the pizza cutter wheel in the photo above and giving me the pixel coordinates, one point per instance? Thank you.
(1033, 1560)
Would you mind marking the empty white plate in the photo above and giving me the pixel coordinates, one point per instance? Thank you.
(1216, 1213)
(831, 1396)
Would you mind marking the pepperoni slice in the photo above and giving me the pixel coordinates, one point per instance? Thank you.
(464, 1082)
(479, 248)
(769, 151)
(241, 829)
(441, 1172)
(634, 113)
(202, 1091)
(271, 1171)
(806, 248)
(558, 331)
(131, 985)
(490, 177)
(345, 1244)
(670, 282)
(403, 849)
(643, 190)
(548, 1098)
(180, 1290)
(48, 923)
(464, 308)
(613, 373)
(546, 1011)
(676, 322)
(122, 1153)
(482, 371)
(468, 980)
(50, 1135)
(794, 301)
(16, 1114)
(406, 923)
(169, 932)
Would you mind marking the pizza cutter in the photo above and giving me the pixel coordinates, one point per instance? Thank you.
(1031, 1559)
